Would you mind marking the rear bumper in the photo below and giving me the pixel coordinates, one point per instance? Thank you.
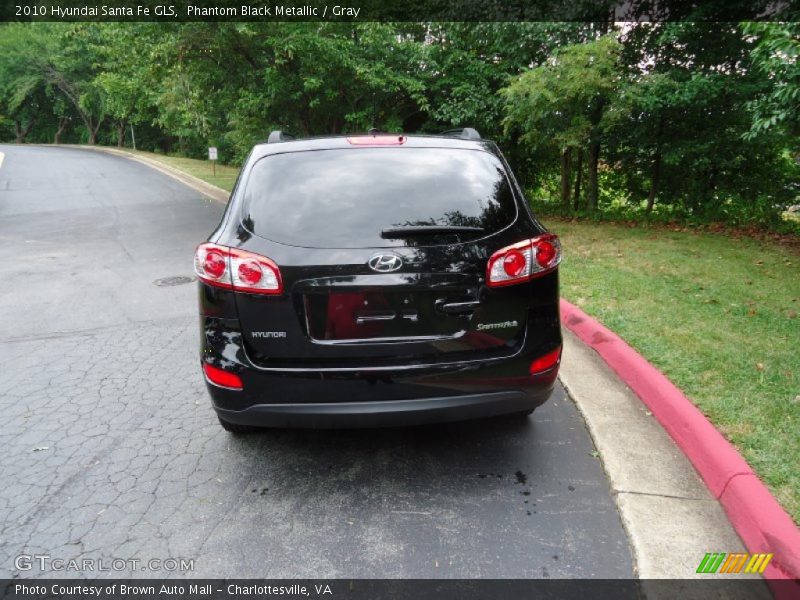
(385, 413)
(403, 394)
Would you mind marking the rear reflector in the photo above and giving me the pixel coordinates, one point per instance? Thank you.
(545, 363)
(376, 140)
(222, 378)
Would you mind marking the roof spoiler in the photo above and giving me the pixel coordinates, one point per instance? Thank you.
(467, 133)
(279, 136)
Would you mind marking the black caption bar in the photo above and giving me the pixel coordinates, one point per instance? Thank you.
(399, 10)
(385, 589)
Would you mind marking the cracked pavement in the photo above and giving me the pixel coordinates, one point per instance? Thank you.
(111, 449)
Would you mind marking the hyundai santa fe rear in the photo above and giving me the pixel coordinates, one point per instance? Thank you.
(377, 280)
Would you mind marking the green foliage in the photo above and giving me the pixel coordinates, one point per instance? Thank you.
(674, 129)
(693, 120)
(124, 83)
(555, 103)
(23, 84)
(562, 104)
(466, 63)
(776, 55)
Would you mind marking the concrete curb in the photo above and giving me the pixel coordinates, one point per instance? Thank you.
(755, 514)
(205, 188)
(670, 517)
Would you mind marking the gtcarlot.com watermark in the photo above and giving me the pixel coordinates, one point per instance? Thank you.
(45, 562)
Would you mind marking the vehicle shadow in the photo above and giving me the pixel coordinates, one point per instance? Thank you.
(550, 444)
(505, 497)
(393, 454)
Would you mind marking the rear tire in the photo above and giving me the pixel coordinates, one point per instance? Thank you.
(236, 428)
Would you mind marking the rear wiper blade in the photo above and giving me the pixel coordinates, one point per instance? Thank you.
(414, 230)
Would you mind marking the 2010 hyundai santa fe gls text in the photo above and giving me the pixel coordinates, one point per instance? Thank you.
(377, 280)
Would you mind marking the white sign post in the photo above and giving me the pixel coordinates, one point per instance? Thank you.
(212, 156)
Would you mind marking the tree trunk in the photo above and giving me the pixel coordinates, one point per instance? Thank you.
(576, 199)
(566, 159)
(598, 105)
(121, 133)
(62, 125)
(651, 197)
(594, 159)
(95, 131)
(73, 96)
(91, 130)
(22, 132)
(305, 120)
(655, 178)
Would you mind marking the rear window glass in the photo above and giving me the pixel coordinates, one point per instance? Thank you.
(347, 198)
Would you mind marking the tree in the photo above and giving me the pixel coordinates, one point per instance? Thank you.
(686, 118)
(23, 86)
(71, 68)
(675, 132)
(62, 111)
(124, 75)
(562, 103)
(41, 57)
(241, 80)
(776, 55)
(465, 64)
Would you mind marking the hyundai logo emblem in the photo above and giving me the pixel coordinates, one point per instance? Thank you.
(385, 263)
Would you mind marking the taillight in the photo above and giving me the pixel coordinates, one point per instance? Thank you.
(214, 264)
(222, 378)
(523, 261)
(238, 270)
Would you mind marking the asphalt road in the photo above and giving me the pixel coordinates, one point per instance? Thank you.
(110, 449)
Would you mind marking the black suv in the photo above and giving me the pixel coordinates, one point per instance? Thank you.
(377, 279)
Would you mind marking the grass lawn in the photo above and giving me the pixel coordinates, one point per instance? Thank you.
(718, 315)
(202, 169)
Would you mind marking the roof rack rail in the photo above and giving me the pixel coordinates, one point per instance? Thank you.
(467, 133)
(279, 136)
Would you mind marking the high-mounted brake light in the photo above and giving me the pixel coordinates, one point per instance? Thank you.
(376, 140)
(238, 270)
(523, 261)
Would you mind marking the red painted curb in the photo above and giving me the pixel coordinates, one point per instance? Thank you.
(755, 514)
